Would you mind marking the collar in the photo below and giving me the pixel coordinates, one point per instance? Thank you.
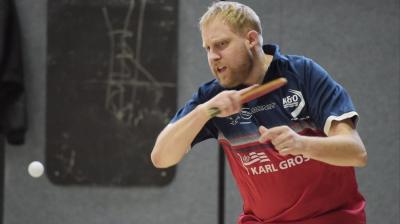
(272, 49)
(272, 72)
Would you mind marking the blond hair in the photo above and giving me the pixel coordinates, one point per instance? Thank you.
(239, 17)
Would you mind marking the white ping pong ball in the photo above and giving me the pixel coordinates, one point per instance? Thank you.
(35, 169)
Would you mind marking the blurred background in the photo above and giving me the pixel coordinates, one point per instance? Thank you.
(103, 77)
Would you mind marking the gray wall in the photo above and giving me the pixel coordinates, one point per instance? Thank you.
(356, 41)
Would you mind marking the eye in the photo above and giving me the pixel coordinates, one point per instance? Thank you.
(222, 44)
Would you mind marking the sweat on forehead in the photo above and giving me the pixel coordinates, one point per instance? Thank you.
(239, 17)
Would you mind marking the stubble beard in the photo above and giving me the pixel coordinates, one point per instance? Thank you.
(237, 75)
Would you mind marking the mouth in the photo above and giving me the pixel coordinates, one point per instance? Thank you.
(221, 69)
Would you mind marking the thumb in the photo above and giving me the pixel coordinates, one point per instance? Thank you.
(263, 130)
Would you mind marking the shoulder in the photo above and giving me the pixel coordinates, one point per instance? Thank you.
(302, 68)
(287, 63)
(297, 64)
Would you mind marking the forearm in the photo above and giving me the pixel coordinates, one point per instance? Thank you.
(174, 141)
(338, 150)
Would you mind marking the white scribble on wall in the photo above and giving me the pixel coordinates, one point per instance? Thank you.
(127, 76)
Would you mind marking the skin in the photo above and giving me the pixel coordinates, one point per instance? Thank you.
(234, 58)
(342, 147)
(237, 58)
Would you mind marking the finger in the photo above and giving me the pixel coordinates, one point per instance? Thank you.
(281, 139)
(235, 102)
(230, 103)
(262, 129)
(281, 147)
(285, 152)
(279, 129)
(263, 134)
(273, 133)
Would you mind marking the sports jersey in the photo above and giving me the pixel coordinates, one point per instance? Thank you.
(286, 189)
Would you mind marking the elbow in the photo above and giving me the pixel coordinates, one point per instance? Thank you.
(158, 162)
(362, 160)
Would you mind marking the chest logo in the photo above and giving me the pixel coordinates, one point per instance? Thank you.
(254, 159)
(294, 102)
(257, 163)
(245, 115)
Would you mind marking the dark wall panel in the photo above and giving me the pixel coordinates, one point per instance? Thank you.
(111, 88)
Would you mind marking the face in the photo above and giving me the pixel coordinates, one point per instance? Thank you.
(229, 57)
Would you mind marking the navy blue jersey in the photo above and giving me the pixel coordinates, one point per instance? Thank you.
(286, 189)
(310, 95)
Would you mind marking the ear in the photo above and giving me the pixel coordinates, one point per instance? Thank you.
(252, 38)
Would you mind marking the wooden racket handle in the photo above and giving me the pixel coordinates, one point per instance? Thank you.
(253, 94)
(262, 90)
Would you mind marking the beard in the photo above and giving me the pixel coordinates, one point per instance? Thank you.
(235, 74)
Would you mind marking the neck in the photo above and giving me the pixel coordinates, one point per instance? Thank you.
(260, 67)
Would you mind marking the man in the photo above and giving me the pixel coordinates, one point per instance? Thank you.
(292, 152)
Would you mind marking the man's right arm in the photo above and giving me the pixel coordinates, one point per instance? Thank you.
(176, 138)
(174, 141)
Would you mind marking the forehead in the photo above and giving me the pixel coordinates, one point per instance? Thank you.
(216, 30)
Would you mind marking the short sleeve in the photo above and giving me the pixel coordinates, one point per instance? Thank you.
(209, 130)
(327, 100)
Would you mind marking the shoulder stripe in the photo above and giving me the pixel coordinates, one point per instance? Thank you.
(342, 117)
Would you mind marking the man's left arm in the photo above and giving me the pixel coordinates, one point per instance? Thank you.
(342, 147)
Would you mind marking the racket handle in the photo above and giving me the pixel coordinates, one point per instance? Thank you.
(253, 94)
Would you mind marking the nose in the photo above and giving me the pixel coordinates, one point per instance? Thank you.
(213, 56)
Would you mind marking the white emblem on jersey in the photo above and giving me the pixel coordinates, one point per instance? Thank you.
(257, 163)
(253, 157)
(296, 100)
(245, 115)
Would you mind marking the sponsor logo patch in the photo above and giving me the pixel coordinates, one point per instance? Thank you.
(245, 115)
(294, 103)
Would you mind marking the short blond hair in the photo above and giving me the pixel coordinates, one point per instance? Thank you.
(239, 17)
